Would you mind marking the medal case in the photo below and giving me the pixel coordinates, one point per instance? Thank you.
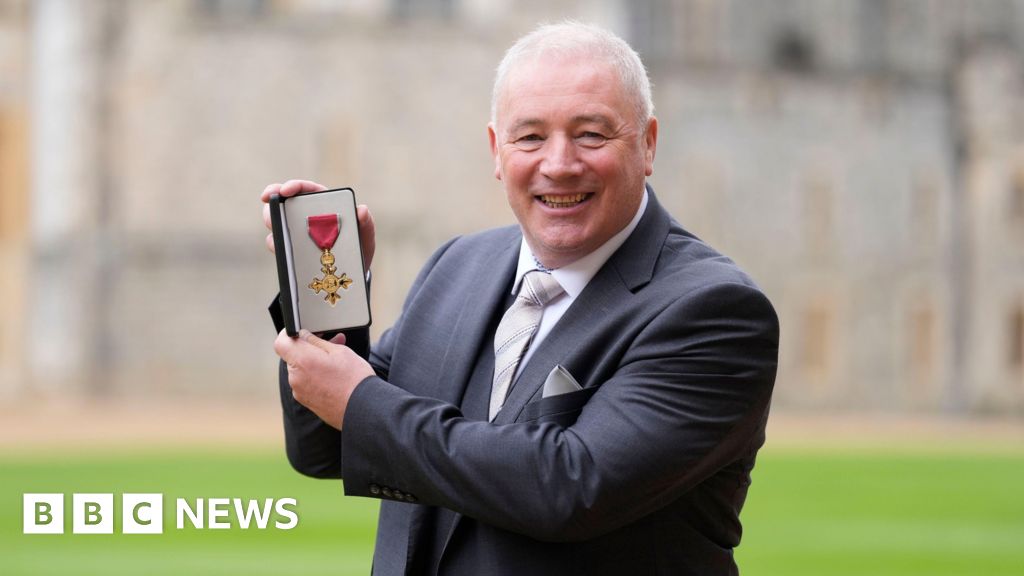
(319, 267)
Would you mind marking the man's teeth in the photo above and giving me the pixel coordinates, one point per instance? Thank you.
(562, 201)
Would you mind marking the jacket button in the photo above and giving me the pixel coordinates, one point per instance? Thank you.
(410, 498)
(374, 489)
(398, 494)
(387, 492)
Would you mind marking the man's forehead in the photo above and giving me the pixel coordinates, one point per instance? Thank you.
(597, 118)
(532, 92)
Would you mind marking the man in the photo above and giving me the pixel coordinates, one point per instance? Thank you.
(613, 430)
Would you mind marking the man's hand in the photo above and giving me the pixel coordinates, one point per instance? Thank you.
(367, 236)
(322, 374)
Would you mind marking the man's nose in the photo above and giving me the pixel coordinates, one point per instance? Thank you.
(561, 159)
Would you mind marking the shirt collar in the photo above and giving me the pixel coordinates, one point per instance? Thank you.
(574, 277)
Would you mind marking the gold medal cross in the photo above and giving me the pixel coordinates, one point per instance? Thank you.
(330, 283)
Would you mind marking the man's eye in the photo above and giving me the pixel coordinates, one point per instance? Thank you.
(592, 137)
(529, 141)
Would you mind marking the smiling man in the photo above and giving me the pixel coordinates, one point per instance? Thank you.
(573, 147)
(583, 393)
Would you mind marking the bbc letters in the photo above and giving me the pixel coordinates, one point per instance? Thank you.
(144, 513)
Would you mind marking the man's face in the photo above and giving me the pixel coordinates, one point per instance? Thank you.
(571, 156)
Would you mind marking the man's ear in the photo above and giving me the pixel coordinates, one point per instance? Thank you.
(651, 140)
(493, 137)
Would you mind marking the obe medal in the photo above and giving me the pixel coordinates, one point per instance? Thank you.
(323, 230)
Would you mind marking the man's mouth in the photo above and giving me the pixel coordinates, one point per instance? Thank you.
(562, 200)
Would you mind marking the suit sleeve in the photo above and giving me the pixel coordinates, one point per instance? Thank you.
(314, 447)
(689, 396)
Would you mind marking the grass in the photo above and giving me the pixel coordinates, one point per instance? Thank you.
(858, 513)
(809, 512)
(334, 536)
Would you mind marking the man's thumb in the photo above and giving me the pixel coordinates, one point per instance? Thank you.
(310, 338)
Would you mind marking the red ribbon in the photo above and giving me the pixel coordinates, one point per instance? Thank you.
(323, 229)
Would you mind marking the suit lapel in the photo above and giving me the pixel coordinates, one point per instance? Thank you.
(629, 268)
(577, 325)
(491, 277)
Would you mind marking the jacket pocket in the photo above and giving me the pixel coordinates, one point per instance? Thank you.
(562, 409)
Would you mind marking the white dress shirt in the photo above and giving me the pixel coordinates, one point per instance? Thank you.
(573, 277)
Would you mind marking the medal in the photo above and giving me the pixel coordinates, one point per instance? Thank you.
(323, 230)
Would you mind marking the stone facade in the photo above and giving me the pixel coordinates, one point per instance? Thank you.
(863, 160)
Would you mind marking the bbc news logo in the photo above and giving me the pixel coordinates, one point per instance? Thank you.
(144, 513)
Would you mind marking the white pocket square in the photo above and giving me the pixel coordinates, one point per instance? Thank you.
(559, 382)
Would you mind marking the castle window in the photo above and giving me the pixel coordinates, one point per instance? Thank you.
(1017, 196)
(924, 214)
(818, 208)
(922, 348)
(793, 52)
(816, 344)
(232, 11)
(1016, 340)
(410, 10)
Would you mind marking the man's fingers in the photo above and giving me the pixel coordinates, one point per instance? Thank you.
(339, 339)
(284, 346)
(293, 187)
(270, 190)
(290, 188)
(266, 220)
(265, 197)
(364, 217)
(310, 338)
(294, 350)
(367, 233)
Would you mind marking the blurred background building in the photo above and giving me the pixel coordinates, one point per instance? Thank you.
(863, 160)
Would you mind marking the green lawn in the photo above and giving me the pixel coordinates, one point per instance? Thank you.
(823, 512)
(869, 514)
(334, 535)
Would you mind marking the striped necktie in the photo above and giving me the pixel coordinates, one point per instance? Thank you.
(516, 330)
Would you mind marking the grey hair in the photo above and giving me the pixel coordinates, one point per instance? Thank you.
(572, 38)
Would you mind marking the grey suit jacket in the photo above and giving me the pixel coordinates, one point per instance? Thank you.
(644, 471)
